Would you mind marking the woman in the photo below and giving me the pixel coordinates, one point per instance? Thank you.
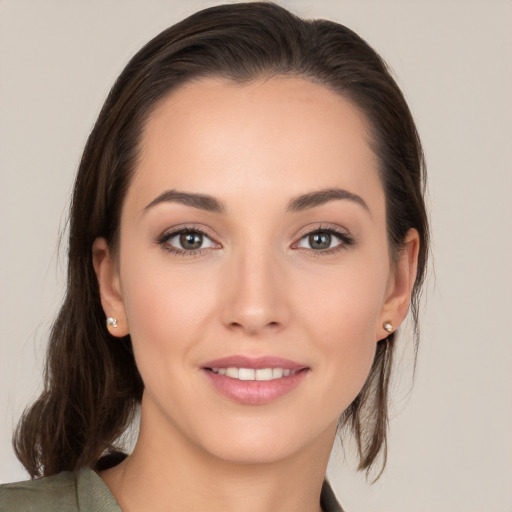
(248, 218)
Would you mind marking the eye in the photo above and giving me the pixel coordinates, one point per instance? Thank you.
(318, 241)
(324, 240)
(186, 241)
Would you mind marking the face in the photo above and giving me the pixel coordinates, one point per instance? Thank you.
(252, 271)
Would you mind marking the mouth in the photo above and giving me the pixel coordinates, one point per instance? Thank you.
(254, 381)
(259, 374)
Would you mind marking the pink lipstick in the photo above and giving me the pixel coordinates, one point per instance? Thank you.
(254, 381)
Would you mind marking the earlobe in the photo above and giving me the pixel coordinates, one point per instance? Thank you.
(107, 273)
(400, 286)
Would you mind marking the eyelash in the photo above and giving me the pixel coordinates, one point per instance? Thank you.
(345, 240)
(344, 237)
(163, 241)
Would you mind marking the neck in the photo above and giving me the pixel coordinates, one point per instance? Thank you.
(172, 474)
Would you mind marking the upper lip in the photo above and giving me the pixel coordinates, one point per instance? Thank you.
(239, 361)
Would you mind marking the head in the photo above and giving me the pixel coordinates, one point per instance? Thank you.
(239, 46)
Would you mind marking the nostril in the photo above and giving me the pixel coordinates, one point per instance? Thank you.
(254, 327)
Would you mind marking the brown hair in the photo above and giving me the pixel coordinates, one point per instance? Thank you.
(92, 385)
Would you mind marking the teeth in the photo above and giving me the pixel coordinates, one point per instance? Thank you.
(252, 374)
(232, 372)
(264, 374)
(277, 373)
(246, 374)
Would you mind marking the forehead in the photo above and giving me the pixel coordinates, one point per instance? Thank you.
(281, 135)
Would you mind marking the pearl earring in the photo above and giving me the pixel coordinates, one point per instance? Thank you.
(111, 322)
(387, 326)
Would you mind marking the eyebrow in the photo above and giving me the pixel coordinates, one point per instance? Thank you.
(321, 197)
(300, 203)
(201, 201)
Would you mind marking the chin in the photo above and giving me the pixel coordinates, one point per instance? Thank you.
(266, 442)
(255, 453)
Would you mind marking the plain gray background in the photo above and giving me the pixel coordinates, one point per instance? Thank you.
(450, 443)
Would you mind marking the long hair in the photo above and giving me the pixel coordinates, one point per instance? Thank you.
(92, 385)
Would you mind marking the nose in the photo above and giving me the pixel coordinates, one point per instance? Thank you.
(255, 295)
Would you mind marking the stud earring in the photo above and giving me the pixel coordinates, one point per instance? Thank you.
(111, 322)
(387, 326)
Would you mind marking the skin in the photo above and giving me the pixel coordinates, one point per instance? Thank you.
(257, 287)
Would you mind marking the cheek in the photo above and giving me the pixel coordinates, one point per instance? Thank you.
(342, 317)
(169, 308)
(346, 299)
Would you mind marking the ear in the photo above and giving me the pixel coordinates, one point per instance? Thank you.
(400, 284)
(107, 273)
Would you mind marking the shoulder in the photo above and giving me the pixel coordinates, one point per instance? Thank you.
(80, 491)
(57, 492)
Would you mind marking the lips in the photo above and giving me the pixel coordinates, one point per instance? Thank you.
(254, 381)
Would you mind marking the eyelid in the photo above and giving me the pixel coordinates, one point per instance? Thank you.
(204, 237)
(186, 227)
(342, 234)
(346, 239)
(174, 231)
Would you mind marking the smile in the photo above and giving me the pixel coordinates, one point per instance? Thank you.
(260, 374)
(254, 380)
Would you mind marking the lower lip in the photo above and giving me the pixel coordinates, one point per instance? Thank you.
(254, 392)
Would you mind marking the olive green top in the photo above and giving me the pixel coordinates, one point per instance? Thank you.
(81, 491)
(84, 491)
